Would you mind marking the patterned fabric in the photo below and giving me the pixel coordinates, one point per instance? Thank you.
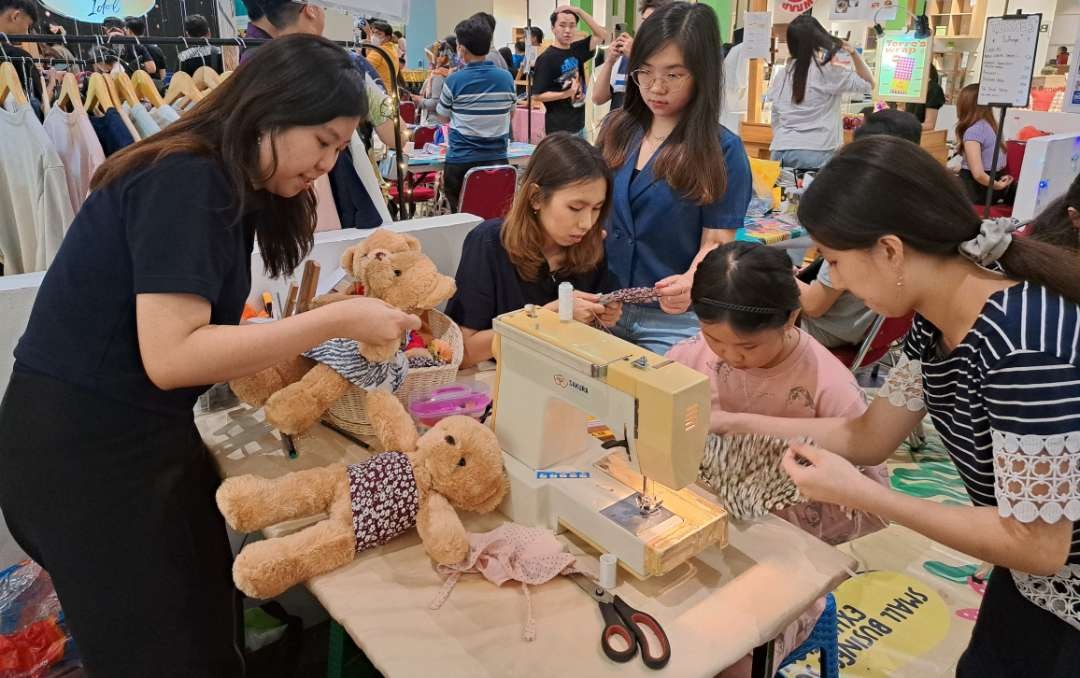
(512, 552)
(343, 356)
(631, 295)
(384, 498)
(744, 472)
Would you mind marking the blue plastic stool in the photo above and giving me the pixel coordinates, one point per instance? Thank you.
(822, 639)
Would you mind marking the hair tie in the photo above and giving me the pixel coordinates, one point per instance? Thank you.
(994, 237)
(762, 310)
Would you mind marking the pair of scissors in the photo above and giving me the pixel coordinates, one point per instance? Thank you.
(629, 624)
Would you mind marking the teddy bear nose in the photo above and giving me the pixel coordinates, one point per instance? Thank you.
(380, 255)
(461, 462)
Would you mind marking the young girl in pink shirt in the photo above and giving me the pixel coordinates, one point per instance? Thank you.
(758, 361)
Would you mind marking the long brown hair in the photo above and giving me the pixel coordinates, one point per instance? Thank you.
(969, 112)
(881, 185)
(560, 160)
(691, 161)
(296, 80)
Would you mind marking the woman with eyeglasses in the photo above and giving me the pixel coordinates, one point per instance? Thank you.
(682, 181)
(806, 98)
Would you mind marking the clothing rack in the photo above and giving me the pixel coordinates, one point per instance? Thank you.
(108, 41)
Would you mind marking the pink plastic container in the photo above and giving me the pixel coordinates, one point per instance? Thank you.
(471, 400)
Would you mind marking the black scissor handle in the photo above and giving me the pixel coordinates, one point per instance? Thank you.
(637, 619)
(615, 626)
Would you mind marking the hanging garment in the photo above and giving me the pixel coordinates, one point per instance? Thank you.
(35, 210)
(126, 119)
(356, 190)
(164, 115)
(74, 139)
(111, 132)
(144, 124)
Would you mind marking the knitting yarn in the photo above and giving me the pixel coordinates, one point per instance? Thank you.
(744, 472)
(630, 295)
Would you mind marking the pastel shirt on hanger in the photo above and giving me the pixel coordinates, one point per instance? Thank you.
(74, 139)
(164, 115)
(144, 124)
(653, 232)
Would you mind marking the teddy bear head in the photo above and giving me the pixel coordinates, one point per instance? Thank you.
(462, 461)
(381, 242)
(407, 280)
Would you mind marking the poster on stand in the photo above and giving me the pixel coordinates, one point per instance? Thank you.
(1008, 60)
(1071, 102)
(903, 68)
(757, 34)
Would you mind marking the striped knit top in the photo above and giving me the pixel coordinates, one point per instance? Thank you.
(1006, 402)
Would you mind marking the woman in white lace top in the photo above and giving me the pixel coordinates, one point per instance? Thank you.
(994, 358)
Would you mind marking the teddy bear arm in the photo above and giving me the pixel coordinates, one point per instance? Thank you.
(250, 503)
(297, 407)
(392, 424)
(257, 388)
(441, 531)
(267, 568)
(380, 353)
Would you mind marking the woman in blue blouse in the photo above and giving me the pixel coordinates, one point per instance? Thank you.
(682, 181)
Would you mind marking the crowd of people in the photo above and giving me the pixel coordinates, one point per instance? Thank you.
(165, 240)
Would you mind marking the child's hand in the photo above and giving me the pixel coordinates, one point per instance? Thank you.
(674, 292)
(826, 476)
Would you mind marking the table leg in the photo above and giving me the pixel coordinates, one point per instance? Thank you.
(344, 659)
(762, 666)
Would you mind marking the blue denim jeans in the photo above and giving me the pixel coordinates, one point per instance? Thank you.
(652, 329)
(802, 160)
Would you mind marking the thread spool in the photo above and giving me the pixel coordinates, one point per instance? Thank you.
(608, 567)
(566, 302)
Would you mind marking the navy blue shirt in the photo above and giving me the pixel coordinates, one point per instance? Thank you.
(167, 228)
(489, 285)
(478, 100)
(653, 232)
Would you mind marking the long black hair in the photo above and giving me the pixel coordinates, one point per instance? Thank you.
(749, 286)
(691, 161)
(294, 81)
(806, 38)
(880, 185)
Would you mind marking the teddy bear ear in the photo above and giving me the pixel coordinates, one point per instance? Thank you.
(411, 242)
(442, 290)
(348, 256)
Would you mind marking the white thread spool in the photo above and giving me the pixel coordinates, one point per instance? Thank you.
(566, 302)
(608, 566)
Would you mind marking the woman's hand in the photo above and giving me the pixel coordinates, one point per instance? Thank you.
(825, 476)
(612, 313)
(370, 321)
(674, 292)
(586, 310)
(1003, 183)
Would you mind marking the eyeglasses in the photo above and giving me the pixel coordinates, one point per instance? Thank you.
(671, 82)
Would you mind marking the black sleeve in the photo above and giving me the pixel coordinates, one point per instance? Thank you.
(473, 305)
(935, 97)
(177, 217)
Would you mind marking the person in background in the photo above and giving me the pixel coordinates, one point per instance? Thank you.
(993, 357)
(277, 18)
(759, 362)
(892, 122)
(135, 27)
(536, 43)
(379, 33)
(551, 235)
(115, 497)
(736, 83)
(103, 60)
(132, 57)
(191, 59)
(559, 76)
(806, 99)
(428, 98)
(682, 181)
(16, 18)
(493, 55)
(508, 59)
(518, 56)
(1059, 223)
(613, 71)
(977, 132)
(1063, 56)
(477, 102)
(400, 38)
(927, 113)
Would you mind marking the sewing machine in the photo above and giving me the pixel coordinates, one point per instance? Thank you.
(626, 496)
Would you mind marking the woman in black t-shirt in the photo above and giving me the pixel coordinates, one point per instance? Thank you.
(551, 235)
(104, 479)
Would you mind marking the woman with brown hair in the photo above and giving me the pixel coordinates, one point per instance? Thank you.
(977, 131)
(551, 235)
(104, 479)
(682, 181)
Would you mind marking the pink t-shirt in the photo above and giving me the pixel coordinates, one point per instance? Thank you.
(810, 382)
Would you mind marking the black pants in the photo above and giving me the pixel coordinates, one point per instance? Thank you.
(454, 178)
(977, 192)
(117, 504)
(1014, 638)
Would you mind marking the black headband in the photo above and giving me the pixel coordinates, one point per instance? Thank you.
(762, 310)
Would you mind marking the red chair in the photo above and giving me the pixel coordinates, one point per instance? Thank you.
(407, 110)
(879, 338)
(423, 136)
(1014, 158)
(488, 192)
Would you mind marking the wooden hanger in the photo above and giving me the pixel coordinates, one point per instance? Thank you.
(69, 92)
(146, 89)
(10, 84)
(98, 95)
(182, 85)
(206, 78)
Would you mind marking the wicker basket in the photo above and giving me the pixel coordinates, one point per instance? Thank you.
(349, 413)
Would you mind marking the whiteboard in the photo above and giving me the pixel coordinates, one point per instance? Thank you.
(1008, 60)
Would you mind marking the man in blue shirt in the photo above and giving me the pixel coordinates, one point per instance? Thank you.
(477, 101)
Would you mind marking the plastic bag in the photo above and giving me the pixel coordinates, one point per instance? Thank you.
(33, 640)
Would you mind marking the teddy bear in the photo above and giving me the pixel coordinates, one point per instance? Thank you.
(389, 266)
(421, 481)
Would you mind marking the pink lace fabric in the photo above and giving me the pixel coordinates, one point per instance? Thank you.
(512, 552)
